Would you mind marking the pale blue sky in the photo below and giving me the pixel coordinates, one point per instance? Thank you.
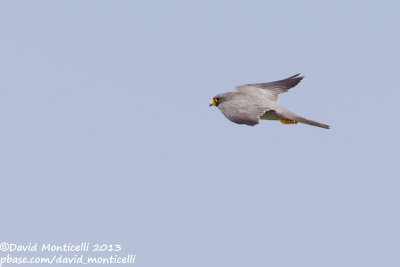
(106, 134)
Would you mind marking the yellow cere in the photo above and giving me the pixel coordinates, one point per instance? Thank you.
(215, 101)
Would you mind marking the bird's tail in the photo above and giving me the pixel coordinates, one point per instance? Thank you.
(313, 123)
(287, 116)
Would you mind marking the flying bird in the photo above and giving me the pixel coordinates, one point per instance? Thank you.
(252, 102)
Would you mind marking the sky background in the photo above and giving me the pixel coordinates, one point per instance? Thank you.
(106, 135)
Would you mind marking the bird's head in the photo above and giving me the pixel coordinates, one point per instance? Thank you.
(215, 101)
(221, 98)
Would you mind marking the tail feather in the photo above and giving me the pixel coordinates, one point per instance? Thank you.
(313, 123)
(288, 115)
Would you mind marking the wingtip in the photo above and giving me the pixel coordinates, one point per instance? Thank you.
(324, 126)
(294, 76)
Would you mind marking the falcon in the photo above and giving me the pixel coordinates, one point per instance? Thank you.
(252, 102)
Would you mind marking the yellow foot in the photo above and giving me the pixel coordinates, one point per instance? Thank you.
(288, 121)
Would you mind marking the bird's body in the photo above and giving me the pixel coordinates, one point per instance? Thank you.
(252, 102)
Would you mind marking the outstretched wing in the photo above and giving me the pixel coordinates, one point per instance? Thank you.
(239, 111)
(270, 90)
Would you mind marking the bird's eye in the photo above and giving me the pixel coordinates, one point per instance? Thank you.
(217, 99)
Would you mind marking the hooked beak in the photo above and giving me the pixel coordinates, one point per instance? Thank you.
(212, 103)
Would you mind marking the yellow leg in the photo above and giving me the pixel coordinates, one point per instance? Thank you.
(288, 121)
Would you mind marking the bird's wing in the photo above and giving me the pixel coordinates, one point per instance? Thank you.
(271, 90)
(239, 111)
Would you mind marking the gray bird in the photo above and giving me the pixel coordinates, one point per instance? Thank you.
(252, 102)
